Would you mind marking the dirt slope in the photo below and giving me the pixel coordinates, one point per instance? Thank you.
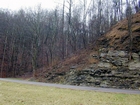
(118, 39)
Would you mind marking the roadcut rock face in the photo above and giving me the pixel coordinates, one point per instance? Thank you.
(113, 70)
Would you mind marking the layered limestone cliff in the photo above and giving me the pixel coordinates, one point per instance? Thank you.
(113, 70)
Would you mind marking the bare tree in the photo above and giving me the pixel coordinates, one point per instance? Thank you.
(3, 58)
(129, 18)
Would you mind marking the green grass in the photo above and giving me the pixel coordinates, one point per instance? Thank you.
(21, 94)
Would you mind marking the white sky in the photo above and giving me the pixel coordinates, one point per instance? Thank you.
(18, 4)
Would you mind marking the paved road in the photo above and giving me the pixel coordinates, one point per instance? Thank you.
(110, 90)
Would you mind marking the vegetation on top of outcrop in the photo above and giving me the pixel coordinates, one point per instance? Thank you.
(117, 38)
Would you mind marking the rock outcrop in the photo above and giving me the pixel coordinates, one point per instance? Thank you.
(113, 70)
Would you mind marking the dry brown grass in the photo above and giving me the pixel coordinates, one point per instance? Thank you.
(118, 37)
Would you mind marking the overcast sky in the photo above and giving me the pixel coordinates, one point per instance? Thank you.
(18, 4)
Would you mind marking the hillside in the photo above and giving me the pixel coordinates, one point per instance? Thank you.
(118, 39)
(105, 63)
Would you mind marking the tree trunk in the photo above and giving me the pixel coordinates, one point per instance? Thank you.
(129, 18)
(2, 64)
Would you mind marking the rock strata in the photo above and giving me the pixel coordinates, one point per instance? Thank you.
(113, 70)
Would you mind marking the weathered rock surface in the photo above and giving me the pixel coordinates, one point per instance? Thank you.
(134, 65)
(113, 70)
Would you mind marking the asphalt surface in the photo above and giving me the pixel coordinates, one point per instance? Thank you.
(108, 90)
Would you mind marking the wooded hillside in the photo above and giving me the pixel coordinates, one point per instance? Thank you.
(34, 40)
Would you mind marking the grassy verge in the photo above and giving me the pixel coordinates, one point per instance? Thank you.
(21, 94)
